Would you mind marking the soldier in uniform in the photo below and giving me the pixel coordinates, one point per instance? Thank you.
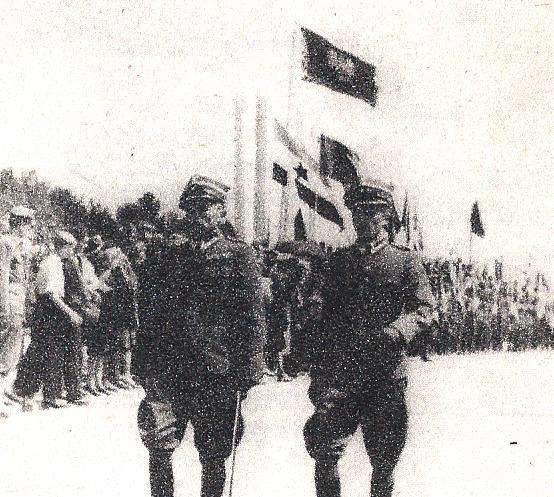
(200, 346)
(375, 299)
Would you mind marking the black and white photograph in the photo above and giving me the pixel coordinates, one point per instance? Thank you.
(298, 248)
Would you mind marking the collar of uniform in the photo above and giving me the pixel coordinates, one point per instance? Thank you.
(372, 247)
(208, 243)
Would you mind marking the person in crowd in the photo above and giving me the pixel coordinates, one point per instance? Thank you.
(89, 304)
(53, 328)
(284, 276)
(16, 253)
(119, 320)
(305, 315)
(81, 298)
(376, 296)
(202, 352)
(96, 335)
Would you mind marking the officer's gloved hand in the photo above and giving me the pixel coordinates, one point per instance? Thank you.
(393, 334)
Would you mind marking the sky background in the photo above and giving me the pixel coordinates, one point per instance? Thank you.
(116, 98)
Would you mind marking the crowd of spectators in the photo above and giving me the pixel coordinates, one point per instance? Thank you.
(69, 314)
(479, 309)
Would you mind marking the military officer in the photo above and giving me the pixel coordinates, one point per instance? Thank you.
(375, 299)
(201, 340)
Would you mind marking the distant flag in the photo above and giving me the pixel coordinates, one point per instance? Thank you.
(299, 227)
(336, 69)
(338, 162)
(476, 222)
(405, 222)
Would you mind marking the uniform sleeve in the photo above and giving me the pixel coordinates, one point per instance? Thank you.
(332, 312)
(419, 303)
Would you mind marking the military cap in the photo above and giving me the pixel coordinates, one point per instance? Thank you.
(371, 196)
(202, 189)
(23, 212)
(64, 238)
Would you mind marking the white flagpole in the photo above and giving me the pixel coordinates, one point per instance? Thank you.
(239, 201)
(260, 214)
(288, 190)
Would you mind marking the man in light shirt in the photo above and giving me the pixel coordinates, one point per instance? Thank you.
(16, 251)
(53, 321)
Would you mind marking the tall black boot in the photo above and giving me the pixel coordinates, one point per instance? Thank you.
(213, 478)
(327, 481)
(381, 483)
(161, 473)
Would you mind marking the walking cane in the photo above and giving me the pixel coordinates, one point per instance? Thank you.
(234, 452)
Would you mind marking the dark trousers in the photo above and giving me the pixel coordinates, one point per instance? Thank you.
(64, 364)
(54, 355)
(163, 417)
(380, 410)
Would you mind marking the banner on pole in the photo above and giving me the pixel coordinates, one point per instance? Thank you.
(337, 69)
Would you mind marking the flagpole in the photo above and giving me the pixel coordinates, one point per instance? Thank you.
(291, 77)
(260, 214)
(470, 245)
(239, 203)
(286, 191)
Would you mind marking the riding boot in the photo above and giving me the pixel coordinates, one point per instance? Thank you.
(213, 478)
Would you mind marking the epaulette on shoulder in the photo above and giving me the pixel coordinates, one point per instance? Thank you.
(339, 255)
(403, 248)
(228, 247)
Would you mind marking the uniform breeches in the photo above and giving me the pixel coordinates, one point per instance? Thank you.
(163, 418)
(379, 410)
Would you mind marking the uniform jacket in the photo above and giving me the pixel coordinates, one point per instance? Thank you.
(364, 293)
(201, 313)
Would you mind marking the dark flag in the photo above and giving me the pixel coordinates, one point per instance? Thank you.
(476, 223)
(322, 206)
(406, 221)
(280, 174)
(338, 162)
(337, 69)
(299, 227)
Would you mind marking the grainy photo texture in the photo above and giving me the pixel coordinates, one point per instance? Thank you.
(268, 248)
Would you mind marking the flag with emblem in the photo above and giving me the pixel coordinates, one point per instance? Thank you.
(336, 69)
